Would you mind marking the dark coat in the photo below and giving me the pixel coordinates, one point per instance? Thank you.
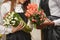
(50, 32)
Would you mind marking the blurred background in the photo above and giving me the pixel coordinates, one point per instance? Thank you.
(1, 1)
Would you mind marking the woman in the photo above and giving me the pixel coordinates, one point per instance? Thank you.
(19, 6)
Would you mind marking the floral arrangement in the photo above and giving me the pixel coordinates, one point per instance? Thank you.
(11, 19)
(35, 14)
(14, 19)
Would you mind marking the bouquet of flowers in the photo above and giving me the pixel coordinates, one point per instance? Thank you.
(35, 14)
(14, 19)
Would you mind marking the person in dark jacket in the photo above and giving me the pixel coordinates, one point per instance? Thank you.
(52, 31)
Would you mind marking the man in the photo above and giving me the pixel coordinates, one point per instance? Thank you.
(54, 6)
(53, 29)
(44, 5)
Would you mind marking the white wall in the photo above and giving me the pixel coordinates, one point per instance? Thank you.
(1, 1)
(35, 1)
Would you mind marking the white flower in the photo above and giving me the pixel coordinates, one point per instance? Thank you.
(12, 13)
(13, 22)
(7, 22)
(16, 18)
(9, 17)
(9, 13)
(12, 18)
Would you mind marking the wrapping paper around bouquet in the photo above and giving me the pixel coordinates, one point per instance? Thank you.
(26, 27)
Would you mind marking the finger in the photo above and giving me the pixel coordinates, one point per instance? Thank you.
(5, 15)
(20, 25)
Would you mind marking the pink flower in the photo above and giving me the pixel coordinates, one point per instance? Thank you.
(27, 15)
(32, 6)
(33, 20)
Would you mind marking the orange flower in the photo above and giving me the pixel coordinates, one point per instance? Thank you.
(31, 12)
(27, 15)
(39, 12)
(32, 6)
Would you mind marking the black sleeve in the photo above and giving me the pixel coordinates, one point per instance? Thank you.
(22, 15)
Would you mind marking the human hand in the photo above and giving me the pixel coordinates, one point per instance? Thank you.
(5, 15)
(19, 27)
(47, 22)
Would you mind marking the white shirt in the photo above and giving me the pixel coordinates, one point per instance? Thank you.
(5, 7)
(54, 6)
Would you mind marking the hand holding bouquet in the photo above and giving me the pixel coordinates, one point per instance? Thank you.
(35, 14)
(14, 19)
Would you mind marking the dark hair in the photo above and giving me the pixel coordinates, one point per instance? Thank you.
(25, 4)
